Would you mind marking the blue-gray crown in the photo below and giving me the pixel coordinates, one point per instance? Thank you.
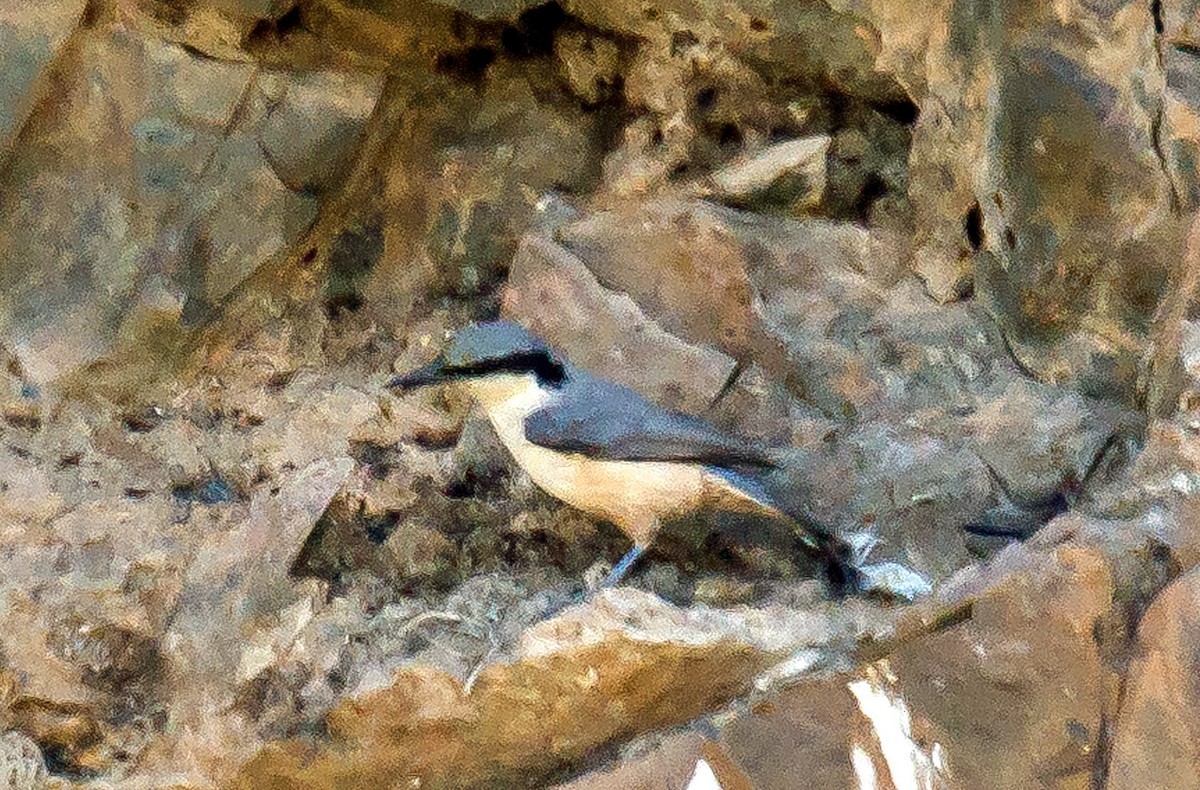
(485, 349)
(491, 342)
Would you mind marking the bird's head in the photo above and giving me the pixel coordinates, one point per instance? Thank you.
(486, 351)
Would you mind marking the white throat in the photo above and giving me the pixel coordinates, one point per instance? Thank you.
(508, 399)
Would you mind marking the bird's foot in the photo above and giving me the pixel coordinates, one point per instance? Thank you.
(849, 572)
(590, 589)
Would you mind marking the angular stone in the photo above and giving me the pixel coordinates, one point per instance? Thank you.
(311, 133)
(684, 268)
(513, 725)
(792, 173)
(597, 674)
(553, 294)
(322, 423)
(22, 766)
(1033, 211)
(28, 498)
(176, 177)
(807, 735)
(1023, 670)
(68, 733)
(669, 765)
(238, 586)
(1071, 432)
(31, 33)
(591, 64)
(68, 211)
(1153, 744)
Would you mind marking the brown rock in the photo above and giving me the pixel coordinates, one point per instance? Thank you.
(590, 64)
(208, 208)
(1017, 695)
(316, 428)
(414, 554)
(758, 34)
(243, 574)
(311, 132)
(1071, 431)
(1034, 210)
(1153, 745)
(623, 664)
(802, 737)
(30, 35)
(520, 721)
(68, 734)
(685, 269)
(57, 152)
(671, 764)
(553, 294)
(28, 498)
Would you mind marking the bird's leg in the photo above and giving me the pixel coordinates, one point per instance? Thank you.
(622, 568)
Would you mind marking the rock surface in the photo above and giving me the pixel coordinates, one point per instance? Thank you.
(1151, 743)
(936, 257)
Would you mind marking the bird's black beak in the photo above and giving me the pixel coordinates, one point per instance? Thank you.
(433, 373)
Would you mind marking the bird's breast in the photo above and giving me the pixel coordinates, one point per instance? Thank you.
(634, 495)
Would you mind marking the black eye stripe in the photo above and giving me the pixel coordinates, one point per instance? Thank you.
(539, 363)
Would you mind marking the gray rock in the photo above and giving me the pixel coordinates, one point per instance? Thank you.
(22, 766)
(804, 158)
(311, 132)
(553, 294)
(31, 33)
(1039, 439)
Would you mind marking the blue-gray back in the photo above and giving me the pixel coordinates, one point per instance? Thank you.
(601, 419)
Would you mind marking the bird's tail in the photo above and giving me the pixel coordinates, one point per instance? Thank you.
(748, 492)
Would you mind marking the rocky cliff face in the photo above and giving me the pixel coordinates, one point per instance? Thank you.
(943, 255)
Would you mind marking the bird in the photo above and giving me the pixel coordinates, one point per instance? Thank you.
(604, 449)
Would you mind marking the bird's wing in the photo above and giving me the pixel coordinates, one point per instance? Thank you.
(601, 419)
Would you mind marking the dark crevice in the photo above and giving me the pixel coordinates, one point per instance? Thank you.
(1159, 111)
(838, 105)
(143, 421)
(903, 111)
(973, 227)
(729, 135)
(469, 65)
(730, 382)
(706, 98)
(1011, 353)
(872, 189)
(275, 30)
(534, 31)
(1104, 739)
(200, 54)
(680, 170)
(1156, 124)
(351, 258)
(289, 22)
(1187, 48)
